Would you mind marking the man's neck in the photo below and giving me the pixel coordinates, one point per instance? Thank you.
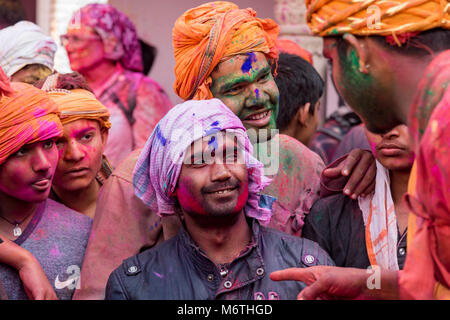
(399, 186)
(14, 209)
(221, 243)
(99, 74)
(82, 200)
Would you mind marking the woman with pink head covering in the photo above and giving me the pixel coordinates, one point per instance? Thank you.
(103, 46)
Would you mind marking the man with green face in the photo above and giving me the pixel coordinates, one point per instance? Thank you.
(392, 71)
(225, 52)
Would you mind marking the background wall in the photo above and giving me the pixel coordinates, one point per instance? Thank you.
(154, 20)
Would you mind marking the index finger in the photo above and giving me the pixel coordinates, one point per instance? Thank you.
(296, 274)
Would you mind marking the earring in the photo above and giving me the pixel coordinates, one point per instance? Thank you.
(364, 69)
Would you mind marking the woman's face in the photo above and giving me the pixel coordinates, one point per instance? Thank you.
(392, 149)
(27, 175)
(84, 48)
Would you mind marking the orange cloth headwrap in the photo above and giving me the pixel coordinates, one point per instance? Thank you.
(332, 17)
(27, 115)
(206, 35)
(79, 104)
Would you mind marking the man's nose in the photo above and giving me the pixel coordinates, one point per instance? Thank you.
(40, 160)
(220, 171)
(73, 152)
(257, 97)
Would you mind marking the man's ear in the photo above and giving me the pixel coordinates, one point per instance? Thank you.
(104, 132)
(302, 114)
(361, 49)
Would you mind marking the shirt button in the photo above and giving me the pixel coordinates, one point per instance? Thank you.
(259, 296)
(309, 259)
(401, 251)
(132, 269)
(260, 271)
(227, 284)
(210, 277)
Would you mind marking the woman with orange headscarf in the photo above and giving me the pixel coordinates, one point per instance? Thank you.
(54, 234)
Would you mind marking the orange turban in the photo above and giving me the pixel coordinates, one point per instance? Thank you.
(289, 46)
(332, 17)
(79, 104)
(27, 115)
(206, 35)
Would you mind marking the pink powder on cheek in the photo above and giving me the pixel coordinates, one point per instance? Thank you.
(187, 200)
(243, 197)
(373, 147)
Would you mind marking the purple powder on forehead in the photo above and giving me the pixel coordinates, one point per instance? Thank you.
(247, 65)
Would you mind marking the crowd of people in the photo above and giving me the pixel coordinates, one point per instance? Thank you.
(108, 191)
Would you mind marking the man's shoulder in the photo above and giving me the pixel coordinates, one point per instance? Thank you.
(65, 224)
(297, 151)
(125, 168)
(63, 213)
(306, 252)
(148, 268)
(331, 211)
(149, 259)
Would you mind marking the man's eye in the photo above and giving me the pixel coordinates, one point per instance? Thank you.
(233, 90)
(87, 137)
(21, 152)
(48, 144)
(264, 77)
(198, 162)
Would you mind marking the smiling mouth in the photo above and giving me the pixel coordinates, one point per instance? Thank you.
(258, 116)
(223, 191)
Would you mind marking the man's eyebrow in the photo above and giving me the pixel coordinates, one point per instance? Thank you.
(244, 79)
(83, 131)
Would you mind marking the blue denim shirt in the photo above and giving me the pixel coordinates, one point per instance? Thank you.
(179, 270)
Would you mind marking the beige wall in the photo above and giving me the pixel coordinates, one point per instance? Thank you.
(154, 21)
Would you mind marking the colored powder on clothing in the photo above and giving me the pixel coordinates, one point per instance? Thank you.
(160, 136)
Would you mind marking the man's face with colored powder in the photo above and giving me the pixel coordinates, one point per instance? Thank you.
(27, 175)
(245, 84)
(81, 149)
(368, 94)
(213, 180)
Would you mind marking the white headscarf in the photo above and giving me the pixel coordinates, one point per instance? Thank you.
(24, 43)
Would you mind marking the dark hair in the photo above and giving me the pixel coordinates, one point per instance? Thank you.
(11, 12)
(148, 56)
(68, 81)
(425, 43)
(298, 83)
